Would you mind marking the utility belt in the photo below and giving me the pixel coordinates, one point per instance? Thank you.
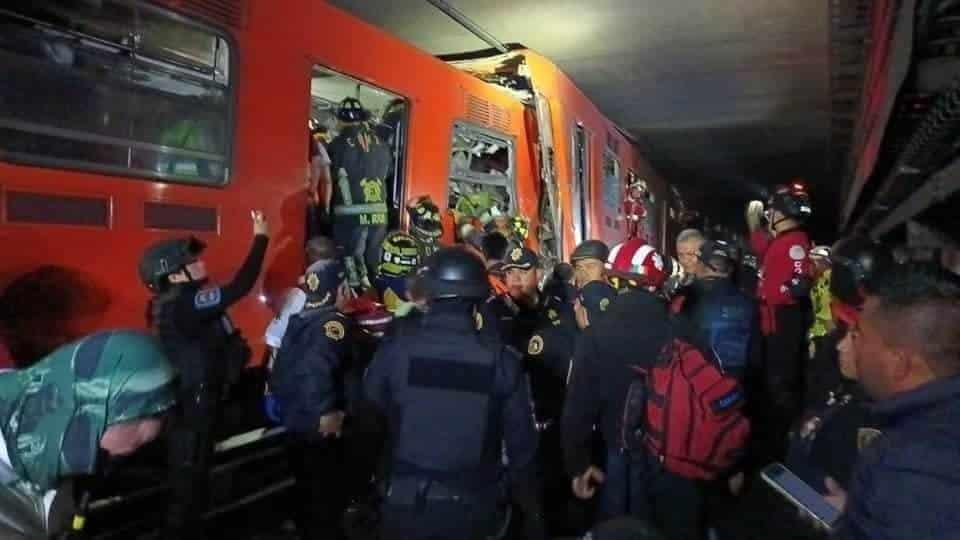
(418, 492)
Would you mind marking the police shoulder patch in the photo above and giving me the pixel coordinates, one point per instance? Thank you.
(604, 302)
(797, 253)
(207, 298)
(334, 330)
(535, 346)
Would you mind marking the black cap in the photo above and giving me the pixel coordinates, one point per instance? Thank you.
(591, 249)
(520, 257)
(322, 282)
(455, 273)
(596, 297)
(168, 257)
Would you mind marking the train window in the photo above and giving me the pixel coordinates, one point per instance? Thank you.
(387, 118)
(114, 86)
(612, 189)
(481, 172)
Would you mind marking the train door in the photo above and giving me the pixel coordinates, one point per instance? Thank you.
(387, 115)
(581, 183)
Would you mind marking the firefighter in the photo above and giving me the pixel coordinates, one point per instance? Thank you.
(784, 298)
(425, 223)
(189, 316)
(359, 165)
(399, 257)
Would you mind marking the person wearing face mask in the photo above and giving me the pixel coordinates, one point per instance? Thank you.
(189, 316)
(101, 397)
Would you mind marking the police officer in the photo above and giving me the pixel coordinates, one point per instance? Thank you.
(450, 398)
(784, 295)
(589, 262)
(359, 165)
(190, 319)
(721, 317)
(310, 383)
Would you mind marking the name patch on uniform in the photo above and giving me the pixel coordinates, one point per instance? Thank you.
(207, 298)
(797, 253)
(535, 346)
(334, 330)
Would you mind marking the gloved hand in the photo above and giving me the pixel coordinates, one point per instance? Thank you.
(754, 215)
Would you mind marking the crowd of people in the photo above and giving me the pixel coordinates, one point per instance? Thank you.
(477, 390)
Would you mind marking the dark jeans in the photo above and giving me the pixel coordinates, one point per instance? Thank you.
(638, 486)
(319, 493)
(431, 512)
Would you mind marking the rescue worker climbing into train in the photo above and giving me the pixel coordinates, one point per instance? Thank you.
(314, 384)
(400, 256)
(784, 296)
(190, 318)
(359, 165)
(450, 397)
(425, 223)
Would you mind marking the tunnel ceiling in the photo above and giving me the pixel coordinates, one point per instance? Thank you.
(722, 96)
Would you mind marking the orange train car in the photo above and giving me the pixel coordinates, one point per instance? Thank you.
(124, 122)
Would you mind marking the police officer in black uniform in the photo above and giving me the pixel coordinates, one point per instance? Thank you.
(190, 319)
(451, 399)
(359, 165)
(310, 381)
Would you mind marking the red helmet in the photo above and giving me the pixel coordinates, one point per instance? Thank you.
(636, 257)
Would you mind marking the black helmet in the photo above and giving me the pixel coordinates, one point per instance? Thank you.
(425, 218)
(399, 255)
(352, 111)
(715, 247)
(455, 273)
(792, 201)
(167, 257)
(591, 249)
(855, 261)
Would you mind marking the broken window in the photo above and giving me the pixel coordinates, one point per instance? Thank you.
(612, 187)
(481, 172)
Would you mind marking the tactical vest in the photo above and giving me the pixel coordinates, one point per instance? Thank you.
(446, 427)
(725, 319)
(202, 357)
(360, 163)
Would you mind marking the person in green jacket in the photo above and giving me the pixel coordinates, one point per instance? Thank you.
(107, 391)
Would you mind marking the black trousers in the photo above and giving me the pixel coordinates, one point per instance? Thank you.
(189, 452)
(637, 485)
(319, 494)
(419, 510)
(785, 360)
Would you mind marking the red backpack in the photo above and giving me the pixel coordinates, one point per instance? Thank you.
(686, 412)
